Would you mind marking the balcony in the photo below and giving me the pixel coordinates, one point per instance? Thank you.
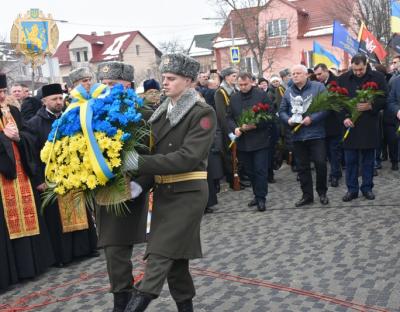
(278, 42)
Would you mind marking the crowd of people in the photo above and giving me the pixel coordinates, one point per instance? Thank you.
(196, 130)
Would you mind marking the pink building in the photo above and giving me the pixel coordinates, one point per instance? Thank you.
(288, 29)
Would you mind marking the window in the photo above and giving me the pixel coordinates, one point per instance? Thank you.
(85, 57)
(78, 57)
(137, 49)
(277, 28)
(249, 65)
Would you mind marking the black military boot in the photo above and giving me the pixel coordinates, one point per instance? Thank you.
(139, 302)
(121, 300)
(185, 306)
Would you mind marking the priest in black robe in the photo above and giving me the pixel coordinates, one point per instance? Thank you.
(68, 245)
(25, 248)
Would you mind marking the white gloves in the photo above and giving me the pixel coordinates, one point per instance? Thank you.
(232, 136)
(135, 188)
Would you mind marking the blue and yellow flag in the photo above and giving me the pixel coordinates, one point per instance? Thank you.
(395, 17)
(320, 55)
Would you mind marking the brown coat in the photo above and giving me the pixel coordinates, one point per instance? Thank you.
(181, 147)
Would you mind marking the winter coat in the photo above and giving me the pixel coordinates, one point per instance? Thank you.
(316, 130)
(366, 133)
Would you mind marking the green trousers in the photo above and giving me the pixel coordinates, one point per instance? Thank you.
(119, 268)
(175, 271)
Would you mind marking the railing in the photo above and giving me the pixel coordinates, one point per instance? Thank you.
(278, 42)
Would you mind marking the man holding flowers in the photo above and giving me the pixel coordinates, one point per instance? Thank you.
(253, 136)
(362, 121)
(309, 138)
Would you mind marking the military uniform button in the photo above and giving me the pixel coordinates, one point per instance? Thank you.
(169, 144)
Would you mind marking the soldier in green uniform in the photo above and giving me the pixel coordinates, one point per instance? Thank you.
(118, 234)
(183, 129)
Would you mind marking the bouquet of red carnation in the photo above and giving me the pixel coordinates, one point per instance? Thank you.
(332, 99)
(253, 116)
(366, 94)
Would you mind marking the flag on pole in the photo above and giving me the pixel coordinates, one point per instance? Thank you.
(395, 17)
(320, 55)
(342, 39)
(370, 46)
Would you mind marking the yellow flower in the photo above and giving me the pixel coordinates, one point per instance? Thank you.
(91, 181)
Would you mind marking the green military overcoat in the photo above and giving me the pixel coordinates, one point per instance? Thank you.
(181, 144)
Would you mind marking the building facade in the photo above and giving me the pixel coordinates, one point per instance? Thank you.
(90, 50)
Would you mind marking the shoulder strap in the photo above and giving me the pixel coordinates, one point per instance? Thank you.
(225, 96)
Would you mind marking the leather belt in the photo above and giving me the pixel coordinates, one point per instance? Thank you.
(180, 177)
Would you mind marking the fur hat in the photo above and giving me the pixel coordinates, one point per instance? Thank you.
(285, 72)
(115, 70)
(79, 73)
(3, 81)
(180, 64)
(228, 71)
(151, 84)
(51, 89)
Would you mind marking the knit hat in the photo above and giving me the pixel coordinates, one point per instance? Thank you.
(262, 80)
(228, 71)
(51, 89)
(79, 73)
(180, 64)
(275, 78)
(151, 84)
(115, 71)
(3, 81)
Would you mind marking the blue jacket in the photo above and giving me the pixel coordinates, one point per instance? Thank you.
(316, 130)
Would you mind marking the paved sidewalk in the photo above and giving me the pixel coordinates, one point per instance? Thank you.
(286, 259)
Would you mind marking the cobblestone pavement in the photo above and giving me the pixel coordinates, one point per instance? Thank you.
(342, 257)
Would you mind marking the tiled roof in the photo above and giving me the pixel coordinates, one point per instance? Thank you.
(104, 47)
(63, 54)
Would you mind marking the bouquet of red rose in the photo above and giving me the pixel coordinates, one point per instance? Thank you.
(253, 116)
(331, 99)
(366, 94)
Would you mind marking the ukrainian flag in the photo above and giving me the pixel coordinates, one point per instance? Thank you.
(320, 55)
(395, 17)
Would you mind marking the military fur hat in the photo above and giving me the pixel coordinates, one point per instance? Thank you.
(180, 64)
(228, 71)
(80, 73)
(51, 89)
(115, 71)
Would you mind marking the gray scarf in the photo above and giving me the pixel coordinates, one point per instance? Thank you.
(180, 109)
(229, 89)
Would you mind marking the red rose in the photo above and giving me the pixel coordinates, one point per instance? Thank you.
(266, 106)
(332, 84)
(256, 109)
(344, 91)
(333, 89)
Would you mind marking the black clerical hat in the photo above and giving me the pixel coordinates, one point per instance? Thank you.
(51, 89)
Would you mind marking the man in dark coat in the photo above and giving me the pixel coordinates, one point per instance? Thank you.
(67, 245)
(183, 129)
(31, 105)
(253, 141)
(364, 135)
(118, 234)
(25, 249)
(333, 128)
(392, 113)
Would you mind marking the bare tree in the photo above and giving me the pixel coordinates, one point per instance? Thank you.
(173, 46)
(262, 47)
